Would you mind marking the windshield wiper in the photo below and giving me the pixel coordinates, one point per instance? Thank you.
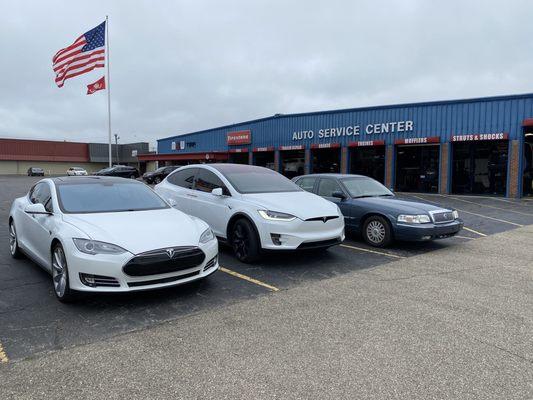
(385, 195)
(363, 196)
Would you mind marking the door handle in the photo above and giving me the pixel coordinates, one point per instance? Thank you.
(191, 195)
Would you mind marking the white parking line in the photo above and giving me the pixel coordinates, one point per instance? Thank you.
(371, 251)
(474, 231)
(489, 206)
(470, 212)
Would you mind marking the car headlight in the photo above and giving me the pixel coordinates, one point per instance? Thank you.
(414, 219)
(276, 216)
(88, 246)
(455, 214)
(207, 236)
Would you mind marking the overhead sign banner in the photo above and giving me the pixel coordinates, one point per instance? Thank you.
(239, 138)
(418, 140)
(325, 145)
(297, 147)
(480, 136)
(363, 143)
(260, 149)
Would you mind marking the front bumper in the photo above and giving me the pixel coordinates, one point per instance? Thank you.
(430, 231)
(299, 234)
(111, 266)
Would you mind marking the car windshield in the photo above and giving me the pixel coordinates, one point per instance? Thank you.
(249, 179)
(365, 187)
(101, 197)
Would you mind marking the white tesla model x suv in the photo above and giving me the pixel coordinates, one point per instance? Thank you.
(106, 234)
(254, 208)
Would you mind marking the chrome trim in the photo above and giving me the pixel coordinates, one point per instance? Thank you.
(441, 211)
(168, 251)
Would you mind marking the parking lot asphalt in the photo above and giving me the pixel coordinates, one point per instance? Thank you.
(33, 321)
(455, 323)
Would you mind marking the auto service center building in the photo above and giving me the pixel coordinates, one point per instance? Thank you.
(475, 146)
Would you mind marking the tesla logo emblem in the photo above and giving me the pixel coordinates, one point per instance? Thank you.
(170, 253)
(324, 219)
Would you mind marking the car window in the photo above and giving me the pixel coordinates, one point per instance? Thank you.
(206, 181)
(41, 194)
(326, 187)
(183, 178)
(307, 183)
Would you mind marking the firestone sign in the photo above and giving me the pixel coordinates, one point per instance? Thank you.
(355, 130)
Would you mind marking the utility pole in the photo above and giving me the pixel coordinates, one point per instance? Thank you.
(117, 137)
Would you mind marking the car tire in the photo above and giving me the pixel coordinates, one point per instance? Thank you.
(377, 231)
(157, 180)
(60, 275)
(14, 248)
(244, 241)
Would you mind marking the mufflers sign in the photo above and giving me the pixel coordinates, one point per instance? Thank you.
(355, 130)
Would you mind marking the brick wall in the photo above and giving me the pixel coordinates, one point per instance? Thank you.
(389, 156)
(276, 160)
(444, 164)
(307, 161)
(344, 160)
(514, 173)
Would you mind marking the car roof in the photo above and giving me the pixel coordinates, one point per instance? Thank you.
(332, 175)
(65, 180)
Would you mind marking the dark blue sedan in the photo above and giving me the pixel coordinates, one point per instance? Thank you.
(374, 211)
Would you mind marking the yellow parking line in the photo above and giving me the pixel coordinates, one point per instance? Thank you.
(474, 231)
(249, 279)
(470, 212)
(371, 251)
(487, 205)
(3, 355)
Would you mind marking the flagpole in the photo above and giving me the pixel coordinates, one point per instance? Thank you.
(108, 86)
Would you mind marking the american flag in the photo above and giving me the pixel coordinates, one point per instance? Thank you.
(85, 54)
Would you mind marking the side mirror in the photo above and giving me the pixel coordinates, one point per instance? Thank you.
(338, 194)
(172, 202)
(36, 208)
(217, 191)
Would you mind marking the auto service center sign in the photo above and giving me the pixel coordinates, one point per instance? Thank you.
(355, 130)
(239, 138)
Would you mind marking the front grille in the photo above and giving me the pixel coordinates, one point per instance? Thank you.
(163, 261)
(321, 243)
(441, 217)
(163, 280)
(323, 219)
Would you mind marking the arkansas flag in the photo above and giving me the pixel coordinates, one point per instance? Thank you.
(96, 86)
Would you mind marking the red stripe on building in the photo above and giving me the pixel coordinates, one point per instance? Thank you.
(418, 140)
(363, 143)
(260, 149)
(325, 145)
(480, 136)
(183, 157)
(243, 150)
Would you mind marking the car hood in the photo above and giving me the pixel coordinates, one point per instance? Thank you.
(140, 231)
(394, 205)
(302, 204)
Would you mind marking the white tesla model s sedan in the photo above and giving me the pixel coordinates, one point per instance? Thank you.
(105, 234)
(254, 208)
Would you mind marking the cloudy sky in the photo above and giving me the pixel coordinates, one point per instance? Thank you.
(184, 65)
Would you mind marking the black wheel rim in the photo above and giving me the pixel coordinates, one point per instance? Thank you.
(241, 242)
